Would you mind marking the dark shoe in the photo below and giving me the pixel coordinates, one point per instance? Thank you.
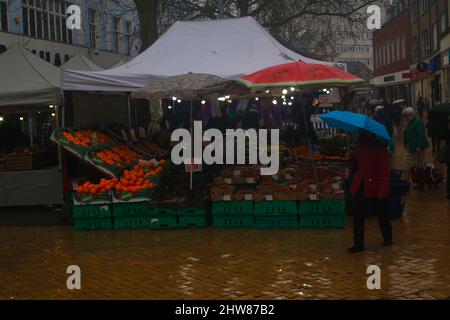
(356, 249)
(387, 243)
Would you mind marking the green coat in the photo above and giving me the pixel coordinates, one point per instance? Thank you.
(415, 136)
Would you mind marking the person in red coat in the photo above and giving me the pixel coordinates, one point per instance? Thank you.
(370, 187)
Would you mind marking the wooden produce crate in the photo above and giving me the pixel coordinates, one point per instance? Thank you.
(23, 162)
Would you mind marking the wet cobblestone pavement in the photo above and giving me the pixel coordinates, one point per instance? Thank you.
(233, 264)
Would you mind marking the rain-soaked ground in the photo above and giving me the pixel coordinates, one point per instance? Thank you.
(232, 264)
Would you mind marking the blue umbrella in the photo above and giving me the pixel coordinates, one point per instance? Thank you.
(352, 122)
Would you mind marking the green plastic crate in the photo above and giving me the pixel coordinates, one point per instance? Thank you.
(233, 208)
(190, 212)
(233, 222)
(93, 211)
(276, 222)
(322, 221)
(163, 222)
(276, 208)
(192, 221)
(322, 207)
(124, 223)
(93, 224)
(137, 209)
(163, 212)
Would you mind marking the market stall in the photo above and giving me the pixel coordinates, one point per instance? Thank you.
(30, 96)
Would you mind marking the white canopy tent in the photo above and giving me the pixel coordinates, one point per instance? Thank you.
(226, 48)
(27, 80)
(81, 63)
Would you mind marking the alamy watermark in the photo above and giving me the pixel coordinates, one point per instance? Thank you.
(190, 150)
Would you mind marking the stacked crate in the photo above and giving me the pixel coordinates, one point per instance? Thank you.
(92, 215)
(322, 214)
(191, 218)
(233, 214)
(163, 218)
(134, 215)
(276, 214)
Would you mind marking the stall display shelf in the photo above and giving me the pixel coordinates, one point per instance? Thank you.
(163, 222)
(192, 221)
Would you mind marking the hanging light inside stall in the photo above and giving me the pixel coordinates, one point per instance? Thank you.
(51, 106)
(2, 119)
(256, 99)
(203, 102)
(292, 89)
(53, 114)
(275, 102)
(284, 91)
(21, 118)
(169, 107)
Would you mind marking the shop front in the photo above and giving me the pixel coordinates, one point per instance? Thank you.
(393, 86)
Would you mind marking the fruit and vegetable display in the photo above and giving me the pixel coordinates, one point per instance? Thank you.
(79, 141)
(140, 181)
(151, 149)
(298, 180)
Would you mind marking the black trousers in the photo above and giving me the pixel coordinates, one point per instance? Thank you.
(448, 180)
(379, 207)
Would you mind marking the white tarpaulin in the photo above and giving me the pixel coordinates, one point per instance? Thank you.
(226, 48)
(27, 80)
(81, 63)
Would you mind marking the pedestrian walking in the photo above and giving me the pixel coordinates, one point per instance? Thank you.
(420, 106)
(444, 156)
(415, 139)
(383, 117)
(370, 188)
(437, 129)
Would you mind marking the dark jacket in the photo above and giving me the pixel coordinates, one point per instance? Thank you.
(437, 125)
(415, 136)
(372, 170)
(385, 119)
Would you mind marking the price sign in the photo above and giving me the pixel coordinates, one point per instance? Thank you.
(248, 197)
(336, 186)
(313, 197)
(250, 180)
(228, 181)
(293, 186)
(288, 177)
(313, 187)
(269, 197)
(237, 172)
(227, 198)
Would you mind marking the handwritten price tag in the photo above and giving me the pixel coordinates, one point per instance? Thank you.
(269, 197)
(336, 186)
(227, 198)
(250, 180)
(228, 181)
(313, 197)
(248, 197)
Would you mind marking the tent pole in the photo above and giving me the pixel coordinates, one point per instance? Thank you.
(129, 111)
(192, 150)
(30, 129)
(58, 126)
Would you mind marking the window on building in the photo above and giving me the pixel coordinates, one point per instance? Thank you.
(116, 33)
(425, 44)
(434, 36)
(3, 16)
(129, 37)
(414, 10)
(443, 23)
(403, 45)
(46, 19)
(93, 28)
(415, 49)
